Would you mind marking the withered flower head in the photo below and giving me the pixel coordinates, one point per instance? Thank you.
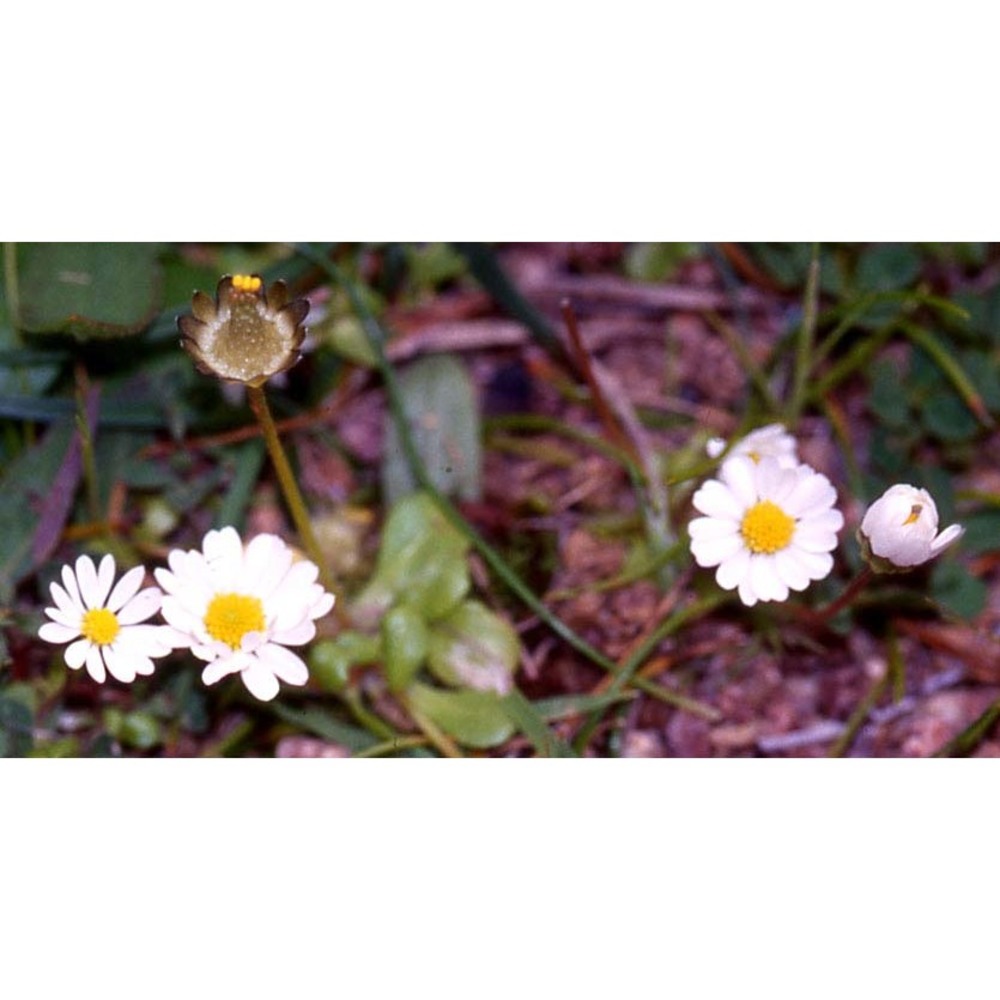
(248, 333)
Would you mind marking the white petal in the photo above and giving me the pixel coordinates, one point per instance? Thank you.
(86, 576)
(791, 571)
(718, 501)
(105, 577)
(812, 540)
(75, 654)
(712, 551)
(63, 601)
(284, 664)
(298, 635)
(322, 605)
(95, 664)
(733, 571)
(259, 681)
(812, 493)
(72, 620)
(946, 538)
(54, 632)
(828, 520)
(126, 588)
(120, 667)
(223, 666)
(816, 564)
(739, 474)
(747, 595)
(144, 605)
(69, 582)
(764, 580)
(266, 558)
(711, 527)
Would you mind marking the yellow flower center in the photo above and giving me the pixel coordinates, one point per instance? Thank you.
(230, 616)
(246, 282)
(914, 514)
(766, 528)
(100, 626)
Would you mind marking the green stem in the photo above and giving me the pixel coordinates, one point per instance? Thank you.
(851, 591)
(858, 717)
(286, 479)
(392, 746)
(806, 341)
(970, 737)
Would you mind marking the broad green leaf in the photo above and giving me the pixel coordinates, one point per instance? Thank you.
(330, 660)
(473, 718)
(440, 404)
(982, 532)
(422, 563)
(656, 261)
(957, 590)
(404, 639)
(88, 289)
(886, 267)
(23, 486)
(474, 648)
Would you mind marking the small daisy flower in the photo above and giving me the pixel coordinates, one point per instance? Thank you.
(247, 333)
(901, 529)
(101, 624)
(772, 441)
(238, 608)
(768, 529)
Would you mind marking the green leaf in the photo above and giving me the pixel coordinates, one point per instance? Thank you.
(886, 267)
(956, 590)
(24, 484)
(473, 718)
(945, 416)
(405, 640)
(16, 723)
(440, 405)
(422, 562)
(474, 648)
(886, 398)
(982, 532)
(88, 289)
(330, 660)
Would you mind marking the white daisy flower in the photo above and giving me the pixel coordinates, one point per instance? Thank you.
(768, 529)
(105, 623)
(772, 441)
(902, 527)
(238, 608)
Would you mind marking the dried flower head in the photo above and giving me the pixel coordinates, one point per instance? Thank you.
(248, 333)
(900, 529)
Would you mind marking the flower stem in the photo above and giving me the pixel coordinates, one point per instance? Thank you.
(289, 487)
(852, 590)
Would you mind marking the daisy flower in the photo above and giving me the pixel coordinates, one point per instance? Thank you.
(768, 529)
(772, 441)
(901, 527)
(101, 624)
(238, 608)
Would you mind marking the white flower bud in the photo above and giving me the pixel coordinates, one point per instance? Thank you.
(901, 527)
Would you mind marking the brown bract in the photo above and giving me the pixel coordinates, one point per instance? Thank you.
(246, 334)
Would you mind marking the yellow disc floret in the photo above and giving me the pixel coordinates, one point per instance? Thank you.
(230, 616)
(914, 514)
(246, 282)
(100, 626)
(766, 528)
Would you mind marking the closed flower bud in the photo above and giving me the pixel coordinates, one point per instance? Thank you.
(247, 333)
(900, 530)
